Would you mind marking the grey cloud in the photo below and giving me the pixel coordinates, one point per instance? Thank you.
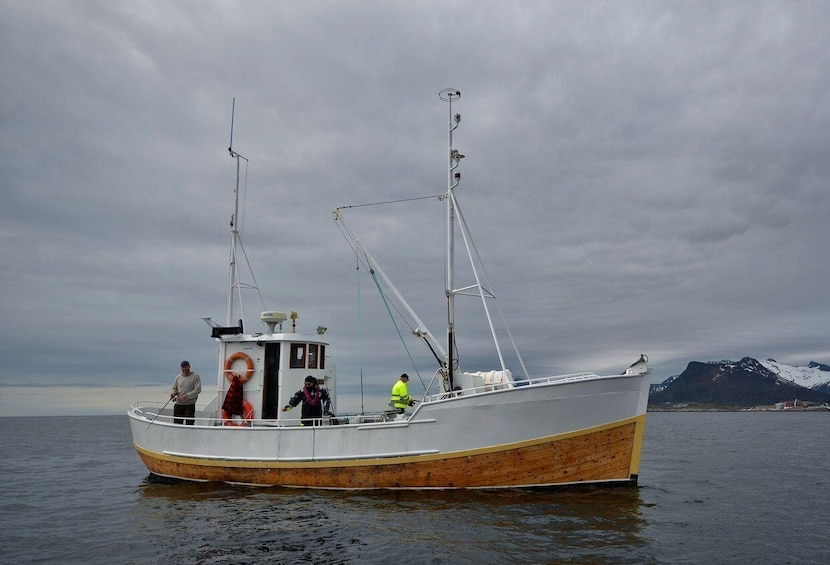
(639, 177)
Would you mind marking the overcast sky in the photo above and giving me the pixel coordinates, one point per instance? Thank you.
(640, 177)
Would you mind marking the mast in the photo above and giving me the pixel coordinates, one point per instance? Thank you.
(448, 95)
(232, 282)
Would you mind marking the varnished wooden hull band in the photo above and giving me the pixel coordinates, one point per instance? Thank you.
(606, 454)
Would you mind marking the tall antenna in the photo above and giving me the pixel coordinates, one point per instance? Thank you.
(233, 111)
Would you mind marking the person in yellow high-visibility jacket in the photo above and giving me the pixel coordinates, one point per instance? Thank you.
(400, 394)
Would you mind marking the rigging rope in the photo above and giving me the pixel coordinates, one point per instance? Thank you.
(347, 236)
(368, 267)
(391, 201)
(239, 228)
(386, 303)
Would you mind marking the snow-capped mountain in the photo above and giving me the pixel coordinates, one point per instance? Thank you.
(747, 382)
(815, 375)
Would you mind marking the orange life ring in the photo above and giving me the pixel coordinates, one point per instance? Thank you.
(229, 363)
(246, 419)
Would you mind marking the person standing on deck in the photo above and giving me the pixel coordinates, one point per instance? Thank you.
(315, 400)
(400, 394)
(186, 389)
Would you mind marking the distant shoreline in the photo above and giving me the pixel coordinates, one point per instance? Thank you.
(690, 407)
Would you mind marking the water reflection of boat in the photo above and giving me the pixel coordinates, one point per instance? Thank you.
(478, 429)
(281, 525)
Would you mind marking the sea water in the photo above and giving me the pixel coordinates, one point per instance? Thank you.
(714, 488)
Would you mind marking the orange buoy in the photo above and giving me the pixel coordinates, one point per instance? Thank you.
(246, 419)
(229, 374)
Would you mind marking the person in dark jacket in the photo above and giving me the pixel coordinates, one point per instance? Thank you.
(315, 401)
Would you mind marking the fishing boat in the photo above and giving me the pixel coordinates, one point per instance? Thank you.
(484, 428)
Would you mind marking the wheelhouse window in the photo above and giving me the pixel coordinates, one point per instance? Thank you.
(297, 356)
(308, 355)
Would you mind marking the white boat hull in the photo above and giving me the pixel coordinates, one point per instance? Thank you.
(583, 429)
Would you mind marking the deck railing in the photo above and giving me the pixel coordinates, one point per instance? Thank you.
(495, 387)
(207, 415)
(152, 411)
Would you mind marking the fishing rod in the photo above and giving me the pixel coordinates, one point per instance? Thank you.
(159, 412)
